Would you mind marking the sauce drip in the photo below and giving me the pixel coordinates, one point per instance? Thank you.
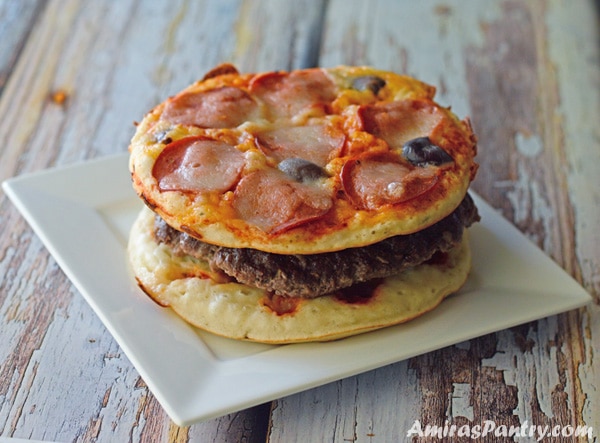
(359, 293)
(280, 304)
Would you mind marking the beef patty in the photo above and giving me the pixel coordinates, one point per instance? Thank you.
(313, 275)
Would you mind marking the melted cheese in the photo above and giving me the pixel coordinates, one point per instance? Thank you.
(338, 106)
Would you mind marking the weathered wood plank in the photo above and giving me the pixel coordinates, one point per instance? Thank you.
(17, 17)
(273, 35)
(342, 412)
(85, 73)
(568, 45)
(509, 65)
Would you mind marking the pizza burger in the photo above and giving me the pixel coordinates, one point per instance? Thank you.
(307, 205)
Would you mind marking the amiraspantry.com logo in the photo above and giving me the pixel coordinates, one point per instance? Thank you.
(489, 428)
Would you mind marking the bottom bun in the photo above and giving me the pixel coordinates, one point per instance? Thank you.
(211, 302)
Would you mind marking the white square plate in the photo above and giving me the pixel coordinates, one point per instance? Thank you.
(82, 213)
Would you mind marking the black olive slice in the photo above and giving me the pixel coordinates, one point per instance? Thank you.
(422, 152)
(301, 170)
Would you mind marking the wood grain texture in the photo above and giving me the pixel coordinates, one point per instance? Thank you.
(86, 72)
(18, 18)
(75, 75)
(505, 60)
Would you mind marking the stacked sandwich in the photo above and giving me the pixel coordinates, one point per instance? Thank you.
(299, 206)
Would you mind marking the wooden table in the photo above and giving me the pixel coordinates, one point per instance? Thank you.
(75, 74)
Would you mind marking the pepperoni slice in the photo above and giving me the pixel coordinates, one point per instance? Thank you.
(270, 200)
(316, 144)
(372, 182)
(197, 164)
(398, 122)
(224, 107)
(288, 94)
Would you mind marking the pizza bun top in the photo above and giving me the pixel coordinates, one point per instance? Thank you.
(302, 162)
